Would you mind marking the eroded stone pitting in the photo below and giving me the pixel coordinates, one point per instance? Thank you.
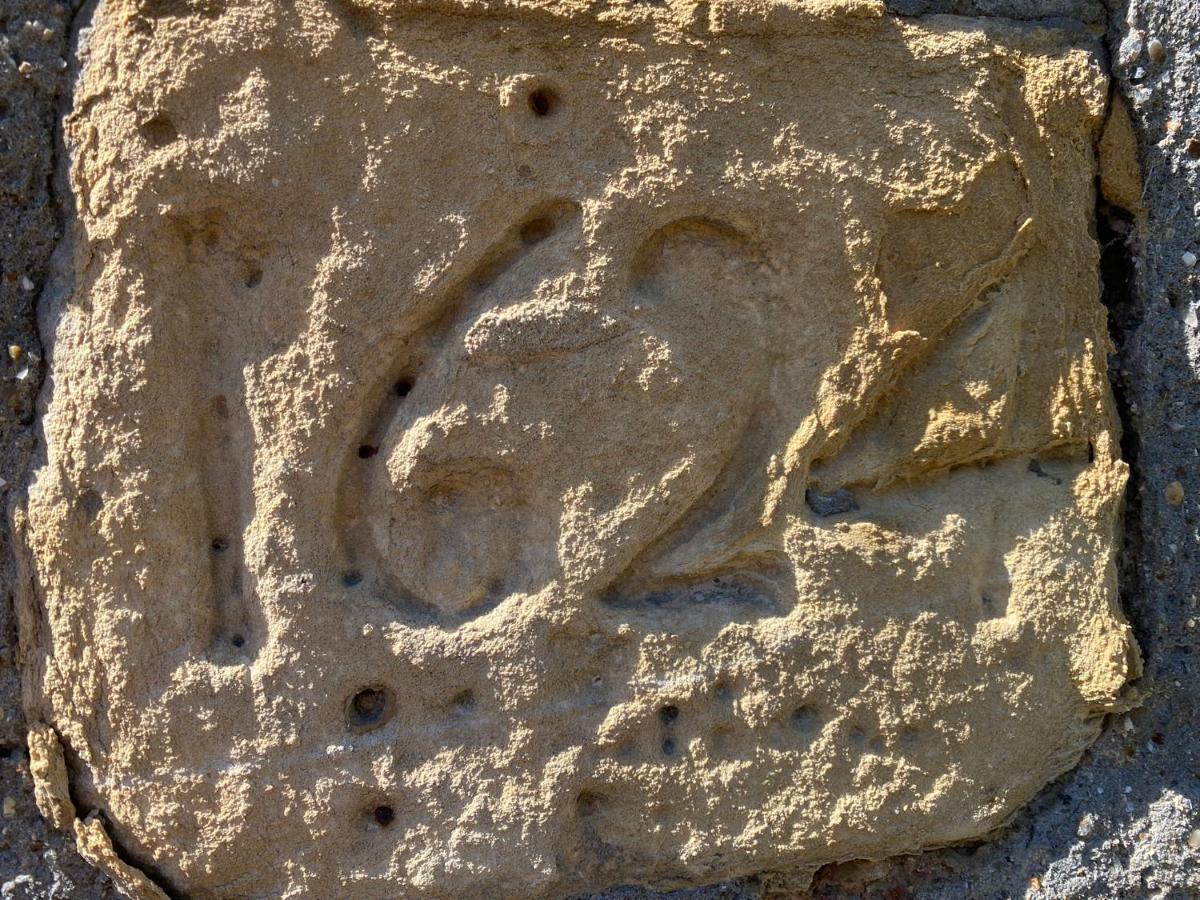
(539, 349)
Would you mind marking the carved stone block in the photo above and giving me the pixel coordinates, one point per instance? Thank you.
(502, 449)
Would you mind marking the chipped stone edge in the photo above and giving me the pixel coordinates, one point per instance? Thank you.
(52, 793)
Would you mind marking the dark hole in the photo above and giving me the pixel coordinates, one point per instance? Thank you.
(5, 752)
(542, 101)
(402, 388)
(254, 276)
(4, 107)
(238, 641)
(536, 230)
(159, 131)
(384, 815)
(835, 503)
(369, 707)
(90, 503)
(1035, 467)
(219, 545)
(587, 803)
(366, 451)
(668, 714)
(668, 747)
(805, 719)
(464, 702)
(352, 578)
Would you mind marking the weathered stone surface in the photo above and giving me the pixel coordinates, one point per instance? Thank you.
(35, 861)
(453, 420)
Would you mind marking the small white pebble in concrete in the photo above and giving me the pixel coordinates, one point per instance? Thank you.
(1086, 825)
(9, 888)
(1131, 48)
(25, 68)
(1189, 259)
(1193, 839)
(26, 283)
(1156, 50)
(1174, 493)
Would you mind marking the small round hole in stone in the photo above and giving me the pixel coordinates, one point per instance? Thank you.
(587, 803)
(384, 815)
(370, 708)
(543, 102)
(806, 719)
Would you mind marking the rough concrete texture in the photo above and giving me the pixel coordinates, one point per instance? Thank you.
(1120, 824)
